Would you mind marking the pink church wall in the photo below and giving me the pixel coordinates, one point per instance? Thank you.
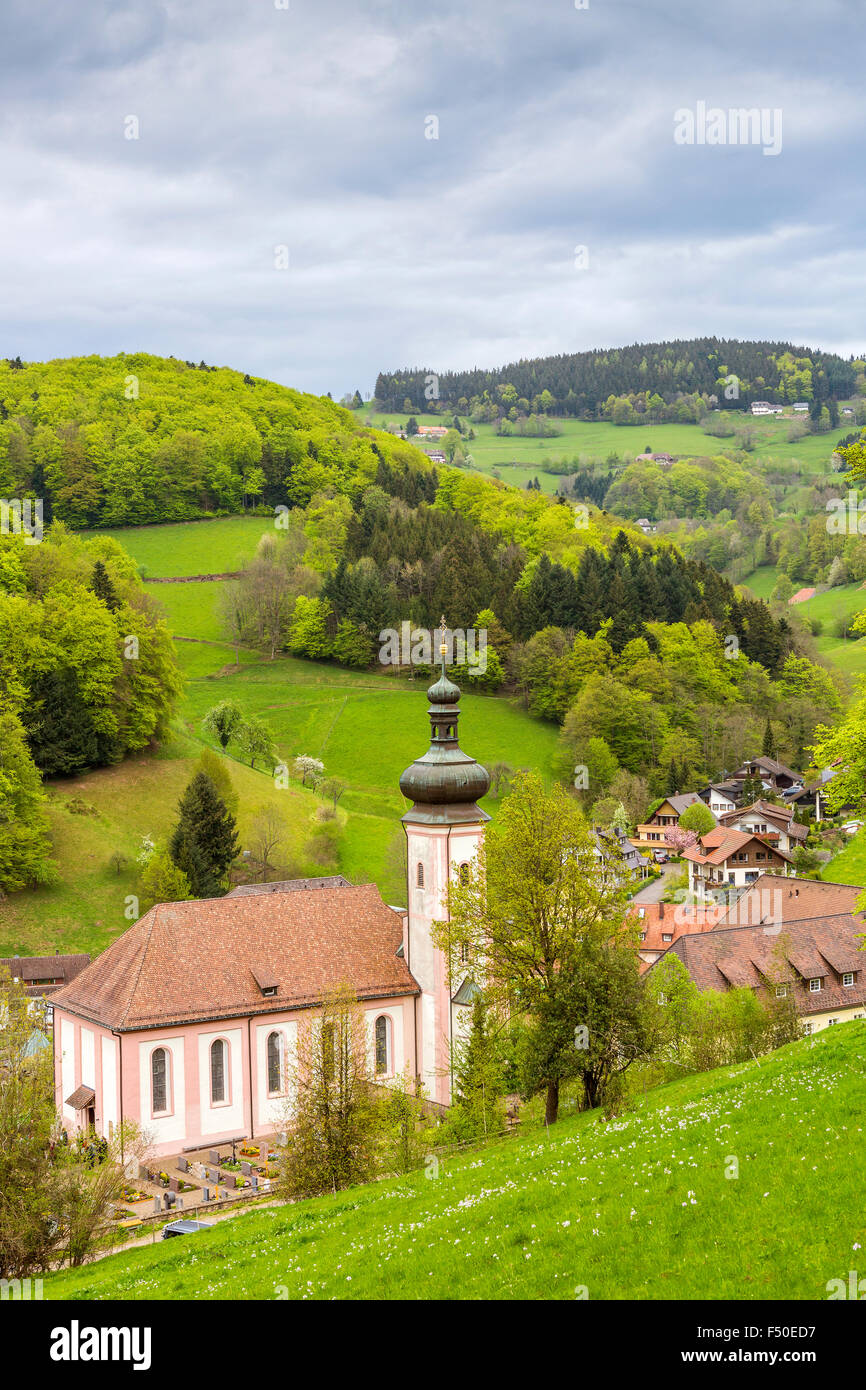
(188, 1124)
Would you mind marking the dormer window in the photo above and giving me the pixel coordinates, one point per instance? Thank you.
(815, 985)
(781, 991)
(848, 979)
(268, 984)
(667, 936)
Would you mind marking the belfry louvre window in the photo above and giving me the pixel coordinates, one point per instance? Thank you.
(159, 1081)
(419, 875)
(218, 1071)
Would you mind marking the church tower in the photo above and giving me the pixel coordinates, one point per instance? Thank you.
(444, 829)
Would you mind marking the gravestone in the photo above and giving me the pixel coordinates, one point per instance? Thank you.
(182, 1165)
(254, 1180)
(205, 1194)
(179, 1202)
(174, 1184)
(214, 1157)
(246, 1169)
(166, 1197)
(229, 1180)
(157, 1206)
(143, 1174)
(213, 1175)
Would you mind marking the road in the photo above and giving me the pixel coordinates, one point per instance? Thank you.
(654, 891)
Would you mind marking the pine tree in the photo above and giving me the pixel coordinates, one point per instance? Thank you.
(478, 1110)
(102, 586)
(60, 726)
(769, 747)
(204, 841)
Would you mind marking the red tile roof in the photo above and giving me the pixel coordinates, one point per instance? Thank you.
(755, 956)
(195, 961)
(772, 897)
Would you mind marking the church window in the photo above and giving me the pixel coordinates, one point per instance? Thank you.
(159, 1081)
(275, 1063)
(218, 1071)
(383, 1045)
(419, 875)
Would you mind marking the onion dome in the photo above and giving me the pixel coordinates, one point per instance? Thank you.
(445, 784)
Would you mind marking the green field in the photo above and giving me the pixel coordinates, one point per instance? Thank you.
(193, 547)
(743, 1183)
(843, 601)
(518, 459)
(192, 610)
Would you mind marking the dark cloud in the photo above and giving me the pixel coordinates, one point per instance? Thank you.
(260, 127)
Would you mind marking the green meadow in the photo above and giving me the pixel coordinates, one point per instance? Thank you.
(519, 459)
(846, 653)
(193, 547)
(741, 1183)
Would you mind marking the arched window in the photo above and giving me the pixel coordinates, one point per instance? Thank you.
(383, 1045)
(419, 875)
(159, 1079)
(218, 1054)
(463, 873)
(275, 1063)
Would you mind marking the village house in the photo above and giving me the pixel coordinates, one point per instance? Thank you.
(775, 776)
(775, 824)
(815, 962)
(766, 408)
(650, 834)
(774, 901)
(721, 797)
(43, 976)
(617, 857)
(432, 431)
(800, 407)
(660, 924)
(188, 1023)
(725, 858)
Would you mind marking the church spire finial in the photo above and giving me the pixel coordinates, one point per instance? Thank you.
(443, 645)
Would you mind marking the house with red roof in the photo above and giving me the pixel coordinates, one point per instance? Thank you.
(661, 924)
(816, 962)
(725, 858)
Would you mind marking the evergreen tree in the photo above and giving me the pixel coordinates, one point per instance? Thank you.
(204, 841)
(60, 726)
(102, 586)
(477, 1110)
(769, 745)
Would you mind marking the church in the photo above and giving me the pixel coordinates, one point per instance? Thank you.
(188, 1023)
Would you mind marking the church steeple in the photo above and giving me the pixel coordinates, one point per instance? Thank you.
(445, 783)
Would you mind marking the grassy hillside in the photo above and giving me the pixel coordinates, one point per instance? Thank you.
(193, 547)
(107, 812)
(365, 728)
(519, 459)
(645, 1207)
(849, 865)
(841, 602)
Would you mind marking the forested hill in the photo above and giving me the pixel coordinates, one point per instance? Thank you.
(126, 440)
(579, 383)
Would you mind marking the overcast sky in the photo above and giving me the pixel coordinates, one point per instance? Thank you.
(306, 128)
